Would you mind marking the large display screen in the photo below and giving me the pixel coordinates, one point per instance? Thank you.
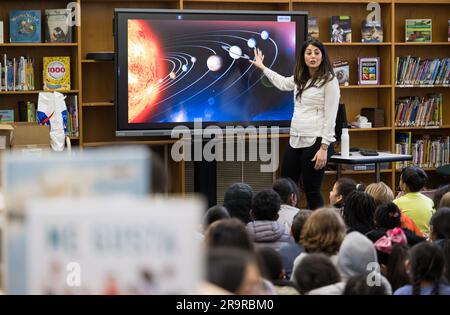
(174, 67)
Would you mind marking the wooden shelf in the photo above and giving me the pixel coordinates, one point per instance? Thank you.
(95, 61)
(369, 129)
(231, 1)
(427, 169)
(95, 104)
(381, 86)
(423, 44)
(357, 44)
(422, 86)
(35, 92)
(424, 128)
(334, 1)
(39, 45)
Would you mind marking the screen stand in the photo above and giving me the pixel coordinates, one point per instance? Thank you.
(205, 179)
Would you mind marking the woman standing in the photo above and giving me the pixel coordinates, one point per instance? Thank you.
(316, 102)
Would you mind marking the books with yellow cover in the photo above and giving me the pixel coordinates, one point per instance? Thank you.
(56, 73)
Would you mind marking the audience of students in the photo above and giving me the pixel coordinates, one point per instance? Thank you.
(426, 269)
(373, 246)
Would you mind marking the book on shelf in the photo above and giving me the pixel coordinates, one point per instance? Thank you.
(418, 30)
(368, 70)
(57, 26)
(371, 32)
(427, 151)
(402, 146)
(17, 73)
(448, 31)
(341, 29)
(72, 116)
(27, 111)
(412, 70)
(313, 27)
(342, 71)
(25, 26)
(6, 116)
(56, 73)
(415, 111)
(2, 38)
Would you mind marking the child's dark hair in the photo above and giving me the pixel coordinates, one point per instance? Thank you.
(226, 267)
(270, 263)
(344, 187)
(427, 264)
(228, 233)
(396, 272)
(441, 191)
(387, 215)
(265, 205)
(357, 285)
(359, 211)
(414, 178)
(238, 201)
(315, 271)
(285, 187)
(298, 222)
(323, 74)
(215, 213)
(440, 231)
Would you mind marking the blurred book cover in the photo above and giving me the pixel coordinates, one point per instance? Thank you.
(418, 30)
(371, 32)
(56, 73)
(25, 26)
(341, 29)
(6, 116)
(57, 26)
(342, 71)
(368, 70)
(313, 27)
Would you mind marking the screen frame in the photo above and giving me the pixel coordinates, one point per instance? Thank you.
(121, 17)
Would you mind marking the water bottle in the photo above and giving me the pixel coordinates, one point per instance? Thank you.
(345, 143)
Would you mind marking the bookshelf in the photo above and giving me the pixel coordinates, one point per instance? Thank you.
(10, 99)
(92, 83)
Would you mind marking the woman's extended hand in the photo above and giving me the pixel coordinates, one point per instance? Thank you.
(320, 158)
(259, 58)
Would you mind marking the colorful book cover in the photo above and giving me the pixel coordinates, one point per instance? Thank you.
(25, 26)
(418, 30)
(371, 32)
(56, 73)
(6, 116)
(57, 28)
(342, 72)
(341, 29)
(368, 70)
(313, 27)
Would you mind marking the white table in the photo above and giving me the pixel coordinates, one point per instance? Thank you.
(357, 158)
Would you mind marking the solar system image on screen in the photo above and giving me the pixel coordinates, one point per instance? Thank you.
(188, 68)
